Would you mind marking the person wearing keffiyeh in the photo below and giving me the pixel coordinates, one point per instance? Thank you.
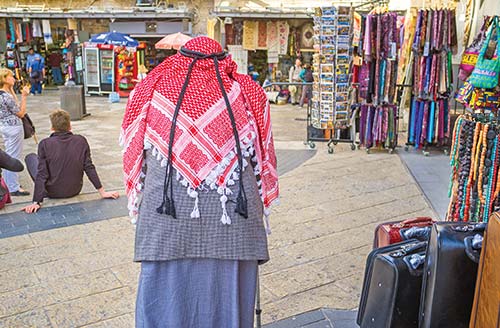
(200, 175)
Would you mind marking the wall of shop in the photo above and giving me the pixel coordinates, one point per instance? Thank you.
(200, 8)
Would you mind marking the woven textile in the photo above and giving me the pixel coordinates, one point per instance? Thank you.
(250, 34)
(159, 237)
(204, 145)
(196, 293)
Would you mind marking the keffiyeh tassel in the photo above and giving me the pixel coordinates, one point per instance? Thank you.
(225, 219)
(195, 214)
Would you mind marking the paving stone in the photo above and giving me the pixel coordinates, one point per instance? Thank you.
(61, 216)
(25, 299)
(92, 309)
(33, 318)
(15, 243)
(293, 280)
(127, 274)
(123, 321)
(319, 324)
(339, 315)
(299, 320)
(15, 231)
(77, 286)
(17, 278)
(345, 324)
(323, 296)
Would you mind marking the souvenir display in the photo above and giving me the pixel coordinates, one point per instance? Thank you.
(429, 122)
(432, 45)
(378, 126)
(475, 156)
(480, 69)
(331, 84)
(376, 73)
(331, 107)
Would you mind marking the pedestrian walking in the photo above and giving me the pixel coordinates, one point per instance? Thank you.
(306, 75)
(35, 66)
(200, 174)
(54, 60)
(294, 77)
(11, 113)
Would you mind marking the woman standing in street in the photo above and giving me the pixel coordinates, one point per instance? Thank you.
(11, 126)
(200, 174)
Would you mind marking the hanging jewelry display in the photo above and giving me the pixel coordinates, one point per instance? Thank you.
(475, 158)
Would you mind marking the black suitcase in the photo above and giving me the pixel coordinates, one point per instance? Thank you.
(450, 275)
(369, 270)
(391, 290)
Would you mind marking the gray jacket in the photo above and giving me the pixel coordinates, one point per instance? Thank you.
(160, 237)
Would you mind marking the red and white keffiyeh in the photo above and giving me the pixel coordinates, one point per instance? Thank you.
(204, 145)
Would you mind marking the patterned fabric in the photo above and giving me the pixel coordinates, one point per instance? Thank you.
(162, 238)
(8, 110)
(204, 145)
(250, 35)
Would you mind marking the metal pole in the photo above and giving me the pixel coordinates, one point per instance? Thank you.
(258, 310)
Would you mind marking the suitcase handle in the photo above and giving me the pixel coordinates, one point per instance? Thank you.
(470, 227)
(414, 221)
(473, 246)
(410, 248)
(415, 263)
(420, 233)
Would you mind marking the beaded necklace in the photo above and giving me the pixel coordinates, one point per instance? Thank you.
(490, 180)
(453, 161)
(484, 146)
(478, 149)
(470, 180)
(494, 153)
(465, 160)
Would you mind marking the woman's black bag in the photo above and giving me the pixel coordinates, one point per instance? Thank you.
(28, 126)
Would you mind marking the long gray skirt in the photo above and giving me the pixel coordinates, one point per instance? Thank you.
(196, 293)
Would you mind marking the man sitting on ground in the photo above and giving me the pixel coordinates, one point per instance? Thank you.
(58, 169)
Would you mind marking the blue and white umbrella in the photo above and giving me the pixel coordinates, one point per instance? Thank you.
(115, 38)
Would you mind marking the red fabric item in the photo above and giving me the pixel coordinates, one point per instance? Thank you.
(204, 144)
(389, 232)
(6, 197)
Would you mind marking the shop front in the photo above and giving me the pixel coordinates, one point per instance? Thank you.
(62, 34)
(148, 33)
(266, 45)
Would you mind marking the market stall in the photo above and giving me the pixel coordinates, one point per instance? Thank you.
(110, 64)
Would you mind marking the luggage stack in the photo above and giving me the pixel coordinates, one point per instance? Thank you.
(423, 274)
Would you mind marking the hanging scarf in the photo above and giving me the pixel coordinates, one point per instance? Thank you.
(12, 30)
(204, 151)
(19, 33)
(37, 29)
(47, 32)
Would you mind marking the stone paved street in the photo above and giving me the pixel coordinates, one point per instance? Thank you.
(82, 274)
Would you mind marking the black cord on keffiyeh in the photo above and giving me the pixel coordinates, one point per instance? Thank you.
(167, 206)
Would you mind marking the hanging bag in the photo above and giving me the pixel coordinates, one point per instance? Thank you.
(486, 72)
(469, 58)
(28, 126)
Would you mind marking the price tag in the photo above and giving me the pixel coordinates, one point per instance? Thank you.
(426, 49)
